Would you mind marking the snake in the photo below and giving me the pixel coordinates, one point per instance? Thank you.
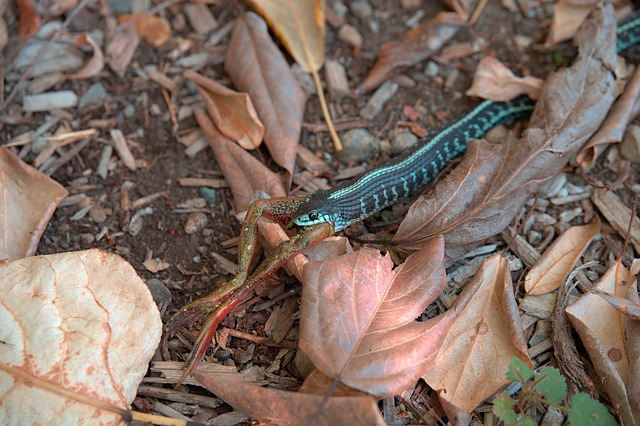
(409, 173)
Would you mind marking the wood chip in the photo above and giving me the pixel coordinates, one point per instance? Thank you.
(200, 17)
(122, 148)
(103, 165)
(211, 183)
(161, 79)
(617, 214)
(337, 82)
(49, 101)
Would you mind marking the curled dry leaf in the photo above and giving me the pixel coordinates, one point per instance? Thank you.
(567, 17)
(622, 305)
(411, 48)
(232, 112)
(257, 67)
(280, 407)
(559, 259)
(624, 110)
(152, 28)
(493, 80)
(244, 173)
(78, 330)
(95, 64)
(29, 199)
(633, 352)
(486, 334)
(486, 191)
(608, 335)
(357, 318)
(29, 19)
(300, 25)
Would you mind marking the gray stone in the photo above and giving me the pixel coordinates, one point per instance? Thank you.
(358, 145)
(379, 99)
(432, 69)
(159, 291)
(361, 8)
(402, 142)
(96, 94)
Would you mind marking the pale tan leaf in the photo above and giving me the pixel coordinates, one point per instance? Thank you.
(78, 330)
(232, 112)
(478, 348)
(357, 318)
(604, 331)
(493, 80)
(633, 351)
(300, 25)
(559, 259)
(28, 199)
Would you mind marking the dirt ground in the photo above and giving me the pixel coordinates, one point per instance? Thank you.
(138, 108)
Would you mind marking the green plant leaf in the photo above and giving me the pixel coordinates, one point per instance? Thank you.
(519, 365)
(503, 408)
(553, 386)
(528, 421)
(587, 411)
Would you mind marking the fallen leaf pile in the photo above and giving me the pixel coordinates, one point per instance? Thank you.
(509, 255)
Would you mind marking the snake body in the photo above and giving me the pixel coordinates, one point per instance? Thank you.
(407, 174)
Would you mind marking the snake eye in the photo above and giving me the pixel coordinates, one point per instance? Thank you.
(313, 215)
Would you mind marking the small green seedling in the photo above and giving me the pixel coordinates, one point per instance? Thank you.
(550, 388)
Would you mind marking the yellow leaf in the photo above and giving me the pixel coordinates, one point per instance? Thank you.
(300, 26)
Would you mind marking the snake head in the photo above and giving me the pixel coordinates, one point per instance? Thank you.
(315, 210)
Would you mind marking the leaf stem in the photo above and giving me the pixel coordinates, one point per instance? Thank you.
(325, 110)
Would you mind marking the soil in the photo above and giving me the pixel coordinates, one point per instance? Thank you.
(193, 271)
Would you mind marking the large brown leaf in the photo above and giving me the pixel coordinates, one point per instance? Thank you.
(244, 173)
(28, 199)
(300, 26)
(478, 348)
(232, 112)
(608, 336)
(633, 351)
(485, 192)
(257, 67)
(411, 48)
(357, 318)
(293, 408)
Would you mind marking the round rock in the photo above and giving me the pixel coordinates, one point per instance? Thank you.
(358, 146)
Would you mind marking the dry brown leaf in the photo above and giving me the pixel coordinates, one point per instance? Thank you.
(152, 28)
(95, 64)
(257, 67)
(29, 19)
(624, 110)
(292, 408)
(357, 318)
(559, 259)
(567, 17)
(411, 48)
(78, 331)
(485, 192)
(620, 304)
(300, 26)
(244, 173)
(605, 334)
(28, 199)
(319, 384)
(493, 80)
(633, 352)
(486, 334)
(232, 112)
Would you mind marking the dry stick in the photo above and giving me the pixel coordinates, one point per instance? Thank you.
(41, 53)
(477, 12)
(325, 110)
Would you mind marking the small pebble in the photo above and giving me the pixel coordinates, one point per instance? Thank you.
(378, 99)
(37, 144)
(553, 186)
(402, 142)
(210, 195)
(630, 146)
(222, 355)
(203, 250)
(87, 238)
(207, 232)
(534, 237)
(129, 111)
(135, 224)
(545, 219)
(195, 222)
(339, 8)
(522, 41)
(336, 78)
(159, 291)
(432, 69)
(410, 4)
(350, 35)
(358, 145)
(569, 215)
(94, 95)
(361, 8)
